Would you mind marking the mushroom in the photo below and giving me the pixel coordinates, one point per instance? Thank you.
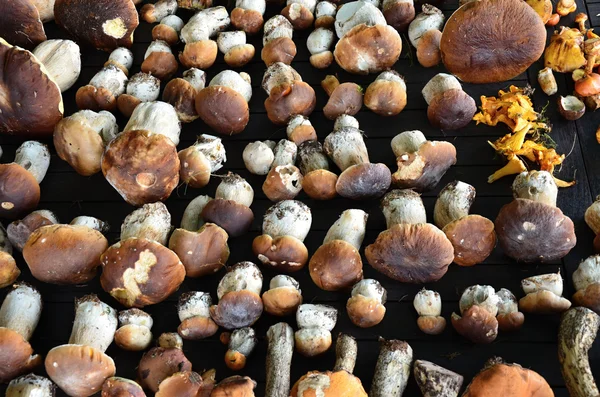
(428, 51)
(586, 280)
(9, 272)
(436, 381)
(344, 98)
(21, 25)
(565, 7)
(337, 264)
(472, 236)
(283, 296)
(200, 50)
(283, 182)
(231, 207)
(241, 344)
(81, 138)
(181, 94)
(471, 54)
(160, 362)
(122, 58)
(392, 370)
(565, 51)
(152, 13)
(117, 387)
(478, 309)
(91, 222)
(159, 60)
(300, 13)
(151, 222)
(543, 294)
(366, 305)
(386, 95)
(531, 228)
(360, 179)
(201, 160)
(325, 14)
(223, 105)
(547, 81)
(576, 334)
(398, 13)
(571, 107)
(285, 226)
(103, 90)
(357, 13)
(191, 219)
(319, 44)
(248, 15)
(448, 106)
(194, 5)
(187, 384)
(234, 386)
(193, 310)
(30, 386)
(233, 45)
(277, 41)
(258, 157)
(19, 316)
(428, 305)
(168, 29)
(135, 333)
(315, 323)
(105, 25)
(299, 130)
(20, 188)
(27, 115)
(430, 18)
(318, 182)
(141, 87)
(62, 61)
(410, 250)
(543, 8)
(239, 297)
(592, 219)
(80, 367)
(280, 349)
(509, 317)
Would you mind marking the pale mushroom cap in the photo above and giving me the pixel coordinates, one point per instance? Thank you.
(242, 276)
(428, 303)
(112, 78)
(258, 157)
(587, 273)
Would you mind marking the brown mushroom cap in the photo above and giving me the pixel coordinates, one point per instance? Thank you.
(320, 184)
(159, 363)
(424, 169)
(385, 97)
(165, 33)
(94, 98)
(368, 49)
(335, 266)
(365, 312)
(19, 231)
(588, 297)
(79, 370)
(431, 325)
(180, 384)
(451, 110)
(364, 181)
(21, 112)
(237, 309)
(543, 302)
(143, 167)
(16, 355)
(428, 49)
(510, 322)
(473, 239)
(203, 252)
(195, 167)
(9, 272)
(281, 49)
(139, 272)
(79, 145)
(340, 383)
(531, 231)
(299, 16)
(182, 96)
(284, 253)
(19, 191)
(346, 98)
(121, 387)
(103, 24)
(476, 324)
(473, 34)
(200, 54)
(287, 100)
(64, 254)
(161, 65)
(282, 301)
(197, 327)
(20, 24)
(399, 14)
(417, 254)
(234, 386)
(223, 109)
(235, 218)
(250, 21)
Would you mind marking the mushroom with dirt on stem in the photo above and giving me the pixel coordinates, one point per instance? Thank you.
(235, 49)
(436, 381)
(366, 305)
(168, 29)
(509, 317)
(31, 386)
(62, 61)
(200, 50)
(141, 87)
(428, 305)
(151, 222)
(122, 58)
(478, 309)
(241, 344)
(160, 362)
(345, 98)
(325, 14)
(103, 90)
(248, 15)
(586, 280)
(430, 18)
(153, 13)
(448, 106)
(319, 44)
(280, 349)
(318, 182)
(543, 294)
(201, 160)
(194, 313)
(300, 13)
(386, 95)
(181, 93)
(392, 370)
(278, 45)
(283, 296)
(315, 323)
(135, 333)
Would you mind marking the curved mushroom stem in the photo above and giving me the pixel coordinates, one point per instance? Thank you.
(91, 222)
(30, 386)
(453, 203)
(235, 188)
(280, 338)
(537, 186)
(95, 323)
(350, 227)
(346, 350)
(403, 207)
(21, 310)
(392, 370)
(346, 147)
(191, 219)
(35, 158)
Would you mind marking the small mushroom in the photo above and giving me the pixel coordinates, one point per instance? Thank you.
(285, 153)
(135, 333)
(181, 94)
(186, 384)
(194, 313)
(201, 160)
(168, 29)
(399, 13)
(103, 90)
(160, 362)
(258, 157)
(248, 15)
(547, 81)
(571, 107)
(586, 280)
(592, 219)
(392, 370)
(159, 60)
(62, 61)
(436, 381)
(478, 309)
(152, 13)
(543, 294)
(200, 50)
(315, 323)
(449, 107)
(21, 24)
(233, 45)
(300, 13)
(366, 306)
(430, 18)
(241, 344)
(428, 305)
(428, 51)
(386, 95)
(318, 182)
(283, 182)
(31, 386)
(509, 317)
(141, 87)
(283, 296)
(122, 58)
(299, 130)
(234, 386)
(280, 349)
(278, 45)
(325, 14)
(319, 44)
(344, 98)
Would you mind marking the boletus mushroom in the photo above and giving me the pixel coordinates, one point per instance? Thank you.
(398, 13)
(299, 130)
(315, 323)
(21, 23)
(31, 385)
(592, 219)
(248, 15)
(448, 106)
(586, 280)
(160, 362)
(319, 44)
(181, 93)
(283, 296)
(200, 50)
(62, 61)
(103, 90)
(242, 342)
(509, 317)
(153, 13)
(193, 310)
(430, 18)
(366, 306)
(386, 95)
(300, 13)
(318, 182)
(116, 387)
(19, 231)
(141, 87)
(235, 49)
(392, 370)
(543, 294)
(202, 159)
(428, 305)
(478, 309)
(9, 272)
(168, 29)
(436, 381)
(278, 45)
(134, 333)
(345, 98)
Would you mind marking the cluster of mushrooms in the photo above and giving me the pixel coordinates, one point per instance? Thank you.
(141, 160)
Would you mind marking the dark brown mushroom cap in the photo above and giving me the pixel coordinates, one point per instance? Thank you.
(20, 24)
(588, 297)
(399, 14)
(9, 272)
(200, 54)
(64, 254)
(31, 103)
(139, 272)
(203, 252)
(182, 96)
(237, 309)
(364, 181)
(121, 387)
(197, 327)
(282, 301)
(473, 238)
(347, 98)
(368, 49)
(161, 65)
(234, 386)
(543, 302)
(235, 218)
(180, 384)
(385, 97)
(281, 49)
(510, 322)
(287, 100)
(96, 99)
(223, 109)
(473, 34)
(79, 370)
(250, 21)
(284, 253)
(416, 254)
(143, 167)
(16, 355)
(530, 231)
(19, 231)
(335, 266)
(365, 312)
(500, 379)
(451, 110)
(476, 324)
(159, 363)
(19, 191)
(320, 184)
(103, 24)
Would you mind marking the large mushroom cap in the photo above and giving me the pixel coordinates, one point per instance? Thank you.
(64, 254)
(143, 167)
(19, 191)
(290, 99)
(16, 355)
(328, 384)
(139, 272)
(418, 253)
(30, 101)
(158, 364)
(203, 252)
(223, 109)
(20, 23)
(473, 238)
(364, 181)
(474, 33)
(336, 265)
(79, 370)
(531, 231)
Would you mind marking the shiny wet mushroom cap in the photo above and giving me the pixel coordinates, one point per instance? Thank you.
(20, 23)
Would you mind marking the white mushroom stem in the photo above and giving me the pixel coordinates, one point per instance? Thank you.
(407, 142)
(280, 339)
(316, 316)
(284, 153)
(355, 13)
(436, 381)
(430, 18)
(243, 340)
(173, 21)
(258, 157)
(276, 27)
(205, 24)
(191, 219)
(235, 188)
(507, 302)
(453, 203)
(35, 158)
(287, 218)
(552, 282)
(403, 207)
(239, 82)
(62, 61)
(95, 323)
(243, 276)
(479, 295)
(320, 40)
(428, 303)
(392, 370)
(346, 147)
(193, 304)
(283, 281)
(536, 185)
(350, 227)
(213, 149)
(157, 46)
(438, 84)
(547, 81)
(196, 77)
(371, 289)
(226, 41)
(103, 122)
(151, 222)
(21, 310)
(587, 273)
(346, 350)
(345, 121)
(156, 117)
(30, 386)
(277, 74)
(91, 222)
(325, 9)
(163, 8)
(111, 78)
(311, 157)
(254, 5)
(121, 56)
(135, 317)
(144, 87)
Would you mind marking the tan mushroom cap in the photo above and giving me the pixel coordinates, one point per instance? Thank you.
(284, 253)
(19, 191)
(235, 218)
(161, 65)
(428, 49)
(16, 355)
(431, 325)
(126, 104)
(282, 301)
(385, 97)
(203, 252)
(335, 266)
(180, 384)
(9, 272)
(510, 322)
(322, 60)
(473, 238)
(139, 272)
(473, 34)
(299, 16)
(195, 168)
(320, 184)
(417, 254)
(79, 145)
(365, 312)
(283, 182)
(20, 24)
(364, 181)
(531, 231)
(240, 55)
(346, 98)
(133, 337)
(543, 302)
(121, 387)
(424, 169)
(237, 309)
(287, 100)
(250, 21)
(159, 363)
(368, 49)
(223, 109)
(200, 54)
(234, 386)
(79, 370)
(281, 49)
(64, 254)
(182, 96)
(165, 33)
(476, 324)
(312, 342)
(96, 99)
(451, 110)
(588, 297)
(143, 167)
(328, 384)
(197, 327)
(21, 112)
